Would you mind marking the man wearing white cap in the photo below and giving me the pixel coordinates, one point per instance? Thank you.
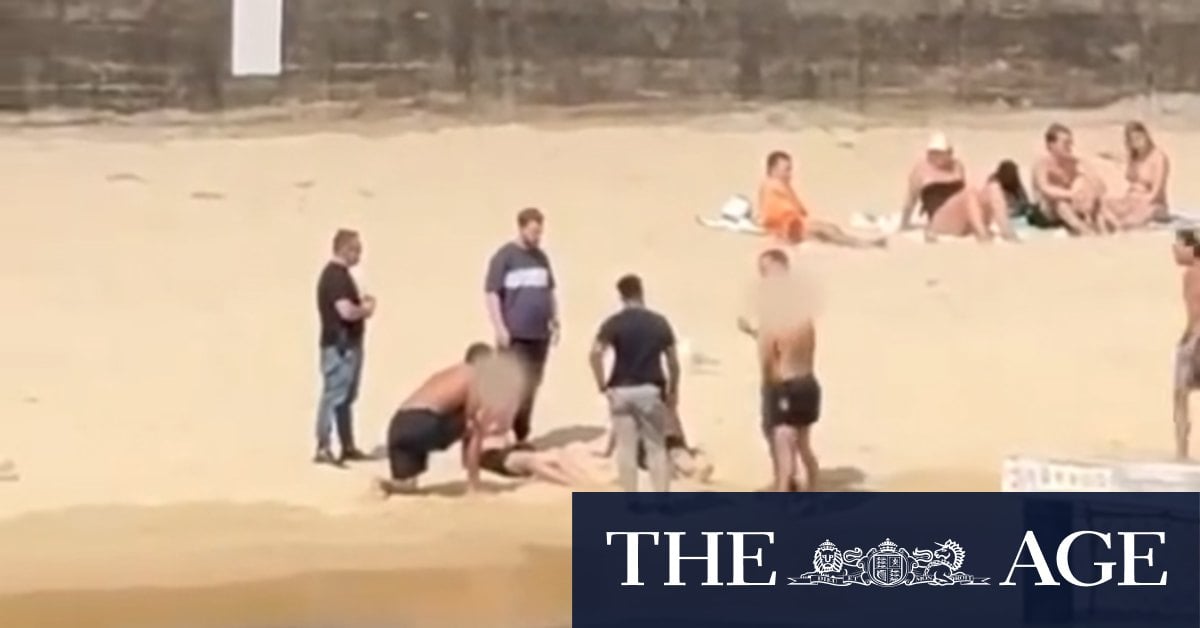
(937, 186)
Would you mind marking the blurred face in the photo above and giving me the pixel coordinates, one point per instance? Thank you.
(943, 159)
(782, 170)
(531, 233)
(1137, 141)
(351, 252)
(770, 267)
(1184, 254)
(1063, 146)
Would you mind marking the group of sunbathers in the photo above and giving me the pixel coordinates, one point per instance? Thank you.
(1067, 192)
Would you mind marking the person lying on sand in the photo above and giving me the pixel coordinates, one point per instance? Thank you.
(1068, 191)
(1187, 353)
(501, 455)
(791, 394)
(937, 186)
(448, 407)
(1146, 169)
(782, 215)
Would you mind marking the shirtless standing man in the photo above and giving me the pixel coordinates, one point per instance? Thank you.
(1187, 354)
(446, 408)
(791, 395)
(783, 216)
(1068, 191)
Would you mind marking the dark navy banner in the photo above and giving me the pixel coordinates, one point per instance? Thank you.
(934, 560)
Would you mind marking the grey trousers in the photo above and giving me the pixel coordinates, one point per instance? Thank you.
(639, 416)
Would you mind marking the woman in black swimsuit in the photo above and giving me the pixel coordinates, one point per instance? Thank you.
(937, 185)
(1003, 197)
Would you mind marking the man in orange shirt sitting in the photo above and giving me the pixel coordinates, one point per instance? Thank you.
(782, 215)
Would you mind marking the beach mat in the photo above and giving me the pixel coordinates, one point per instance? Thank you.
(889, 223)
(721, 223)
(735, 215)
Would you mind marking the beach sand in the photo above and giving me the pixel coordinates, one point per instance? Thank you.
(161, 379)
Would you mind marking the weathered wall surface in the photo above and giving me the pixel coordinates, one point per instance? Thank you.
(144, 54)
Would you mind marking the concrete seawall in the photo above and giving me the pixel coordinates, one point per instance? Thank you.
(134, 55)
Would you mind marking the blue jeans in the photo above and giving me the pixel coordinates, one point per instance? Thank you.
(340, 373)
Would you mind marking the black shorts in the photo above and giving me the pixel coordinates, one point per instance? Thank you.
(795, 402)
(1187, 359)
(496, 461)
(1041, 217)
(414, 433)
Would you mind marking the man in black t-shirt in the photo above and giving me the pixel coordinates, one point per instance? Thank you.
(641, 396)
(343, 312)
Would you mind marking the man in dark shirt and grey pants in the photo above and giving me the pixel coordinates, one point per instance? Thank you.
(343, 313)
(522, 307)
(641, 397)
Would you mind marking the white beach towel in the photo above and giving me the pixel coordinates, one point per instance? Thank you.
(890, 224)
(735, 215)
(1179, 219)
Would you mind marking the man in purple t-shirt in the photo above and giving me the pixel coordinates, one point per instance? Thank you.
(522, 307)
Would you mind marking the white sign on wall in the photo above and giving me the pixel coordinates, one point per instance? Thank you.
(257, 39)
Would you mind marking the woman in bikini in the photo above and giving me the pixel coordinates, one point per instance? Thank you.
(937, 186)
(1146, 170)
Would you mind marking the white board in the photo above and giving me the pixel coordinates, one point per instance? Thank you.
(1028, 474)
(257, 39)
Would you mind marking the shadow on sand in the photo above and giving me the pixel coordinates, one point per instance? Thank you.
(842, 479)
(837, 480)
(458, 488)
(563, 436)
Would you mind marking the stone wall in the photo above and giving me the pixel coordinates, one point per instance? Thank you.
(130, 55)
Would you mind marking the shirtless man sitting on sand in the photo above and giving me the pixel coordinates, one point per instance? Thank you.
(782, 215)
(1187, 354)
(1069, 193)
(791, 395)
(450, 406)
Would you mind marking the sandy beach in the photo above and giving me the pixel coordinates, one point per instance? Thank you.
(161, 380)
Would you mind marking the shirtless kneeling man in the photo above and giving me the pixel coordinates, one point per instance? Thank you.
(445, 409)
(791, 395)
